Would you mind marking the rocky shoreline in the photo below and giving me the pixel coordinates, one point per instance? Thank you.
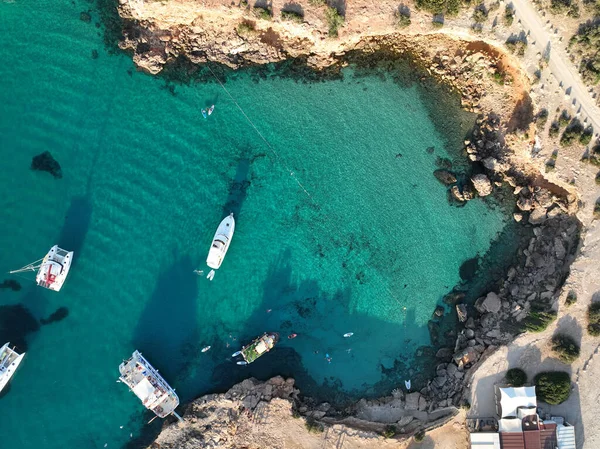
(491, 84)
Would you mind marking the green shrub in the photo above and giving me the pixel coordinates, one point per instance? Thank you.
(438, 20)
(480, 14)
(560, 6)
(538, 320)
(313, 426)
(293, 16)
(564, 118)
(594, 314)
(565, 348)
(571, 296)
(586, 135)
(516, 377)
(554, 129)
(389, 431)
(586, 43)
(419, 436)
(553, 387)
(263, 13)
(334, 21)
(597, 211)
(542, 117)
(450, 7)
(517, 44)
(402, 16)
(317, 2)
(295, 414)
(509, 15)
(246, 27)
(571, 133)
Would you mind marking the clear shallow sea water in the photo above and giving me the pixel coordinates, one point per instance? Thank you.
(146, 180)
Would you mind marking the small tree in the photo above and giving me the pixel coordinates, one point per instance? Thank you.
(516, 377)
(565, 348)
(553, 387)
(389, 431)
(509, 15)
(334, 20)
(594, 313)
(419, 436)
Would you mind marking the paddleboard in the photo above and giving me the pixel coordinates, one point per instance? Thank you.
(211, 109)
(349, 334)
(205, 349)
(204, 113)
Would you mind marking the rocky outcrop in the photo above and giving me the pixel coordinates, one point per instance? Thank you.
(482, 184)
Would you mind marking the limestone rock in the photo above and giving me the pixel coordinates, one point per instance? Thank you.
(491, 303)
(537, 216)
(412, 401)
(482, 184)
(461, 311)
(446, 177)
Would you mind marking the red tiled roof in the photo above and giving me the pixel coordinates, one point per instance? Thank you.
(532, 439)
(512, 440)
(548, 438)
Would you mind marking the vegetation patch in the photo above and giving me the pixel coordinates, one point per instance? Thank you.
(334, 20)
(542, 117)
(402, 16)
(389, 431)
(553, 387)
(587, 44)
(565, 348)
(594, 313)
(554, 129)
(419, 436)
(263, 13)
(246, 27)
(517, 43)
(313, 426)
(516, 377)
(571, 296)
(317, 2)
(598, 178)
(586, 135)
(293, 16)
(450, 7)
(572, 133)
(480, 14)
(509, 15)
(538, 320)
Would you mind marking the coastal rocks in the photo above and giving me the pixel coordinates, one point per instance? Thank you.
(85, 16)
(461, 311)
(482, 184)
(444, 354)
(454, 297)
(490, 303)
(439, 311)
(412, 401)
(446, 177)
(45, 162)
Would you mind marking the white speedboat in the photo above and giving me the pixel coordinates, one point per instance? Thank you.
(149, 386)
(9, 361)
(220, 244)
(52, 270)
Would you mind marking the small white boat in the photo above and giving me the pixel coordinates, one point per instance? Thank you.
(149, 386)
(206, 348)
(349, 334)
(407, 384)
(235, 354)
(52, 269)
(220, 244)
(241, 362)
(9, 361)
(211, 109)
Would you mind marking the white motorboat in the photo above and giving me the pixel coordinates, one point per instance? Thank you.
(149, 386)
(52, 270)
(9, 361)
(220, 244)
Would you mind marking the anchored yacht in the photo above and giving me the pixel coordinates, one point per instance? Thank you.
(9, 361)
(259, 347)
(52, 270)
(220, 245)
(149, 386)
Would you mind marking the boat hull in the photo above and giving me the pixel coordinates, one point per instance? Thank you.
(54, 269)
(7, 372)
(220, 243)
(259, 347)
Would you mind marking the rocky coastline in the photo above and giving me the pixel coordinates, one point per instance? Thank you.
(491, 84)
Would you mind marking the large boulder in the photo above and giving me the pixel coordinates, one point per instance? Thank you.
(482, 184)
(491, 303)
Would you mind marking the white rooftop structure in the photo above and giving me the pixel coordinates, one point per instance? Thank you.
(510, 425)
(512, 399)
(565, 437)
(484, 440)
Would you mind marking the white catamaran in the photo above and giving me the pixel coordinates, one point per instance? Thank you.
(52, 269)
(149, 386)
(220, 245)
(9, 361)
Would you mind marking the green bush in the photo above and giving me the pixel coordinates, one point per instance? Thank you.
(480, 14)
(516, 377)
(554, 129)
(594, 314)
(586, 135)
(560, 6)
(516, 45)
(263, 13)
(564, 118)
(246, 27)
(334, 21)
(542, 117)
(572, 296)
(317, 2)
(419, 436)
(437, 20)
(598, 178)
(586, 43)
(538, 320)
(565, 348)
(553, 387)
(313, 426)
(571, 133)
(389, 431)
(597, 211)
(402, 16)
(292, 16)
(450, 7)
(509, 15)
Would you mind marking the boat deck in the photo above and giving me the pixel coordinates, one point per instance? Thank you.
(7, 356)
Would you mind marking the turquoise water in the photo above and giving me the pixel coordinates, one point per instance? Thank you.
(370, 247)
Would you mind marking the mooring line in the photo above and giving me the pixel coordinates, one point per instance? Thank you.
(275, 153)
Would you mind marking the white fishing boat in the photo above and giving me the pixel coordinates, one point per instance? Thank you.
(9, 361)
(52, 270)
(149, 386)
(220, 245)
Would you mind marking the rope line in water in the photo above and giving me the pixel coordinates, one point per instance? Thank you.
(277, 155)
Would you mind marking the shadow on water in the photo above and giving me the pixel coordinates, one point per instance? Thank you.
(168, 322)
(304, 308)
(239, 185)
(76, 225)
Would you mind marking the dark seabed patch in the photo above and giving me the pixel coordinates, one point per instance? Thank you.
(10, 284)
(45, 162)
